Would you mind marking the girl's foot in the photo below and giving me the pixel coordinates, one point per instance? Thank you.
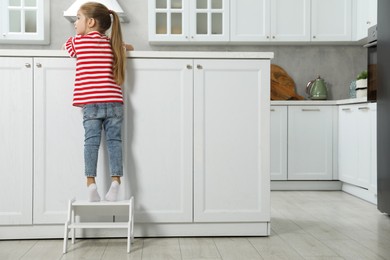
(112, 194)
(93, 195)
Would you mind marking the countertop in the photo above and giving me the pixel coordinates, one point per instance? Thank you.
(147, 54)
(318, 102)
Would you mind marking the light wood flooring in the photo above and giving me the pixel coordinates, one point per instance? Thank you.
(305, 225)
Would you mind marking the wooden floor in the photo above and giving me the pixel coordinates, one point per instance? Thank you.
(305, 225)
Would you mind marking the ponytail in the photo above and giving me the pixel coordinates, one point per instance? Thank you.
(119, 66)
(102, 15)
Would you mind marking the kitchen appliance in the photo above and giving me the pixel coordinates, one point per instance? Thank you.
(316, 89)
(383, 107)
(71, 12)
(372, 60)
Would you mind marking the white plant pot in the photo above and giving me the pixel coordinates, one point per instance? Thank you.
(361, 83)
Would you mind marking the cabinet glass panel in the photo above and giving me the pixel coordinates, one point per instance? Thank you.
(201, 4)
(201, 23)
(161, 4)
(176, 4)
(30, 3)
(14, 2)
(216, 23)
(30, 21)
(176, 23)
(161, 23)
(15, 24)
(216, 4)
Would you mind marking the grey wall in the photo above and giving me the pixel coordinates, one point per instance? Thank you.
(338, 65)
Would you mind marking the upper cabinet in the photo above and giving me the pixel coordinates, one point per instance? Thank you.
(24, 22)
(265, 20)
(331, 20)
(366, 16)
(260, 21)
(188, 21)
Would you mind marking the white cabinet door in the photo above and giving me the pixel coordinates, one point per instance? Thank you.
(209, 20)
(16, 102)
(290, 20)
(250, 20)
(58, 141)
(310, 142)
(159, 130)
(366, 16)
(278, 143)
(231, 140)
(331, 20)
(357, 154)
(189, 20)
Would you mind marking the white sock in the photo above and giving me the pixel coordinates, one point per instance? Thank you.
(112, 194)
(93, 195)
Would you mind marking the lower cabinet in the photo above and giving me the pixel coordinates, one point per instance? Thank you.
(195, 140)
(357, 145)
(16, 141)
(302, 142)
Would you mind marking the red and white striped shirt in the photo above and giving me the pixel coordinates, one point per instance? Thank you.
(94, 81)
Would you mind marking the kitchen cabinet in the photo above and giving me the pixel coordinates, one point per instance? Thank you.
(310, 142)
(205, 115)
(195, 132)
(331, 20)
(278, 140)
(265, 20)
(357, 145)
(58, 141)
(366, 16)
(302, 142)
(188, 21)
(25, 22)
(16, 138)
(231, 140)
(159, 130)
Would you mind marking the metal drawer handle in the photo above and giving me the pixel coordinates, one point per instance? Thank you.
(346, 109)
(272, 110)
(27, 65)
(311, 109)
(189, 67)
(199, 67)
(363, 108)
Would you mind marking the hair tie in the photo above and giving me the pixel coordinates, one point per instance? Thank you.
(110, 11)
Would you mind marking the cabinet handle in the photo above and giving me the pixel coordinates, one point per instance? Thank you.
(273, 37)
(311, 109)
(267, 37)
(346, 109)
(363, 108)
(189, 67)
(314, 37)
(39, 65)
(199, 67)
(272, 110)
(27, 65)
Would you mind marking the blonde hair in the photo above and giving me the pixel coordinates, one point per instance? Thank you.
(102, 15)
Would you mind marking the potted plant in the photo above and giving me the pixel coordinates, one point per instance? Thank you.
(361, 84)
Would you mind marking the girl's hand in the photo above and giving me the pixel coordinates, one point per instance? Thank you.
(128, 47)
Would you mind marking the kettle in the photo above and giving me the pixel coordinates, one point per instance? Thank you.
(316, 89)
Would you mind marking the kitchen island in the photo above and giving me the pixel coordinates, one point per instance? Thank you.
(195, 138)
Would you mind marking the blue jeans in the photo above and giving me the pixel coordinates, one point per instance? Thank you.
(107, 116)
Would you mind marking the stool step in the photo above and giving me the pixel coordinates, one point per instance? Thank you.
(99, 225)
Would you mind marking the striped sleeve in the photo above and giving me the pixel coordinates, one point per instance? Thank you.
(69, 46)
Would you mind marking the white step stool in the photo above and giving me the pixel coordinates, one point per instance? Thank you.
(77, 207)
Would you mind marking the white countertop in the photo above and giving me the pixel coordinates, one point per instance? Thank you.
(147, 54)
(317, 102)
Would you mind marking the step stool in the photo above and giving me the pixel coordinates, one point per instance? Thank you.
(75, 208)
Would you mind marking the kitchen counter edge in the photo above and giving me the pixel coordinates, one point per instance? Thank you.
(147, 54)
(318, 102)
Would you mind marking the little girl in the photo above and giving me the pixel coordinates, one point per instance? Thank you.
(100, 71)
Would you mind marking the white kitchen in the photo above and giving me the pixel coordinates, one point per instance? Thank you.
(227, 151)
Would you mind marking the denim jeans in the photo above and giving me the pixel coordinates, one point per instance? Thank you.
(107, 116)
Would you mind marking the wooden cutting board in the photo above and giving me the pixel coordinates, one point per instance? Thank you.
(282, 85)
